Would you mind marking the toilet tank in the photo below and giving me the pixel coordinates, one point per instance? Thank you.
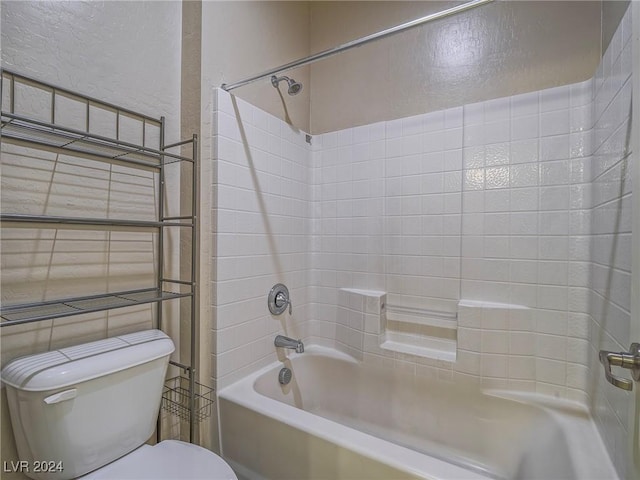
(82, 407)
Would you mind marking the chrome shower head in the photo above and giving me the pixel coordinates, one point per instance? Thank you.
(294, 87)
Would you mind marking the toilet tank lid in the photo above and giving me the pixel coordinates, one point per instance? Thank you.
(72, 365)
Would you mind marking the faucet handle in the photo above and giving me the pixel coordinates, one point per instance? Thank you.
(282, 300)
(279, 299)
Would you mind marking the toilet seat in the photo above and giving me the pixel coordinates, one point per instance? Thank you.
(167, 460)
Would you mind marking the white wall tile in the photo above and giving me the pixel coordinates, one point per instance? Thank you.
(555, 98)
(525, 104)
(554, 147)
(453, 117)
(551, 371)
(554, 123)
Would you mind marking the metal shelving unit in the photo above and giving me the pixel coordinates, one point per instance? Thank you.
(32, 130)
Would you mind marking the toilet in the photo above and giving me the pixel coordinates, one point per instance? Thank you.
(87, 412)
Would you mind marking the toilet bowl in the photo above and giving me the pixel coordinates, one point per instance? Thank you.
(91, 408)
(168, 460)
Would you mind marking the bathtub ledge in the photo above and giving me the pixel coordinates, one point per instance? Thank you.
(420, 351)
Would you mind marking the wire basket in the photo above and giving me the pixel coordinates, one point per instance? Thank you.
(175, 399)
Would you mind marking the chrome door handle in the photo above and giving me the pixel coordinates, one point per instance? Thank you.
(629, 360)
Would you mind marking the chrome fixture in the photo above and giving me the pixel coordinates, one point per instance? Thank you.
(356, 43)
(284, 377)
(286, 342)
(294, 87)
(279, 299)
(629, 360)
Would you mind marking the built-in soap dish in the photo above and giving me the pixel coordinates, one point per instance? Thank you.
(421, 332)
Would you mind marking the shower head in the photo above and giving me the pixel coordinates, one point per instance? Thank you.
(294, 87)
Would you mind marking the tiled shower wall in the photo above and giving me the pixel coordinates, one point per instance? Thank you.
(610, 241)
(387, 204)
(524, 234)
(260, 231)
(479, 203)
(489, 203)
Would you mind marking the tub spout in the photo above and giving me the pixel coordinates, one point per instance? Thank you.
(286, 342)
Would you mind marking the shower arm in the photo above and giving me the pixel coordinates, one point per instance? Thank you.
(356, 43)
(276, 80)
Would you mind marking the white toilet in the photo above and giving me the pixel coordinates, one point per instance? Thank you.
(89, 409)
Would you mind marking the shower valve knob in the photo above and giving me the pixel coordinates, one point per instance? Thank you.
(282, 301)
(279, 299)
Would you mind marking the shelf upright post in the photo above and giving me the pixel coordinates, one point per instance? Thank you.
(160, 263)
(53, 107)
(194, 251)
(12, 94)
(161, 181)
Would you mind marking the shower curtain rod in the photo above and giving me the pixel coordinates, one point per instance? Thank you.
(356, 43)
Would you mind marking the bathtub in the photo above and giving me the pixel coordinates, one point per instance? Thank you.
(340, 418)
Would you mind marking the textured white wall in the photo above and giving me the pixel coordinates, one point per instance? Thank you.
(241, 39)
(124, 53)
(496, 50)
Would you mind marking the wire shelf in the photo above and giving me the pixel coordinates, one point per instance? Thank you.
(18, 314)
(70, 222)
(21, 125)
(51, 135)
(175, 399)
(55, 136)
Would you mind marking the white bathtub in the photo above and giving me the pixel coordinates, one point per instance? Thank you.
(339, 418)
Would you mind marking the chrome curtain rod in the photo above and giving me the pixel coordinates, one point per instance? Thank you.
(356, 43)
